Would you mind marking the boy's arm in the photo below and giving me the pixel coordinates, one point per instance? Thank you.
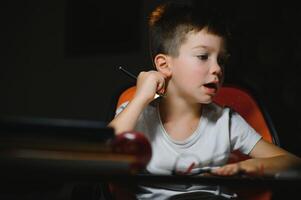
(126, 120)
(148, 83)
(270, 159)
(267, 159)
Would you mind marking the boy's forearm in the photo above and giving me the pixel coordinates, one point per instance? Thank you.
(270, 166)
(127, 119)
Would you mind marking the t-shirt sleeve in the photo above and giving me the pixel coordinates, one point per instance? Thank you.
(243, 136)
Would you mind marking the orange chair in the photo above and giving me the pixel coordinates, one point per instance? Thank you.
(246, 104)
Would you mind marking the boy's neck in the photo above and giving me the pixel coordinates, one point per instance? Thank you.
(179, 119)
(171, 108)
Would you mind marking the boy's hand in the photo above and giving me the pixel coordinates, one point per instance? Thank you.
(148, 84)
(250, 169)
(227, 170)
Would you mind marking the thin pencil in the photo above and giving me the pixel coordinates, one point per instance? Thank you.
(128, 73)
(135, 78)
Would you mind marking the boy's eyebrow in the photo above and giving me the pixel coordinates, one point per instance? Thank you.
(203, 47)
(223, 51)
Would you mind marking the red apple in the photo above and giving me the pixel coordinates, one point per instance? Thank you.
(133, 143)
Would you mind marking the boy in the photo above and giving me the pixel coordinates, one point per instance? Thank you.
(188, 48)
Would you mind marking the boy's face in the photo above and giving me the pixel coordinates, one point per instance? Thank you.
(196, 72)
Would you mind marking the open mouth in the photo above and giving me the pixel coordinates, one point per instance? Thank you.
(211, 85)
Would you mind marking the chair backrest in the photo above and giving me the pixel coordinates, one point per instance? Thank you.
(127, 95)
(250, 108)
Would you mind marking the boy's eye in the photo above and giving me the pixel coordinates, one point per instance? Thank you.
(203, 57)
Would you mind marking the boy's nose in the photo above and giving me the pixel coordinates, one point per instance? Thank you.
(216, 69)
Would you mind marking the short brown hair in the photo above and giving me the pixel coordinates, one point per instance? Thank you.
(170, 22)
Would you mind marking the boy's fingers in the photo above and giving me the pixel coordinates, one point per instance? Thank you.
(161, 86)
(161, 91)
(227, 170)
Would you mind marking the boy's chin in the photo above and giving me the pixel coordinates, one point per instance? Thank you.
(206, 101)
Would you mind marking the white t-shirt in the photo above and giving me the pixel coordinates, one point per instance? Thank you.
(219, 132)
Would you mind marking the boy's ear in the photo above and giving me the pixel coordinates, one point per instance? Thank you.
(161, 62)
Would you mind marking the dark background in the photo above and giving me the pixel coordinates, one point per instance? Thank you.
(60, 58)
